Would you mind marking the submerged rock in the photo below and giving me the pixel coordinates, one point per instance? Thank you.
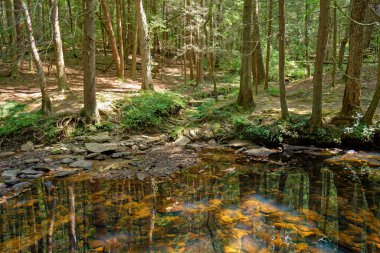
(11, 182)
(65, 173)
(20, 186)
(102, 147)
(140, 175)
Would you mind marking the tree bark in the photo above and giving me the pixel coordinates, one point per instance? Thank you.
(258, 54)
(112, 40)
(269, 34)
(335, 41)
(323, 34)
(307, 21)
(352, 93)
(368, 117)
(17, 55)
(147, 82)
(135, 45)
(281, 41)
(245, 97)
(90, 109)
(120, 38)
(59, 58)
(46, 103)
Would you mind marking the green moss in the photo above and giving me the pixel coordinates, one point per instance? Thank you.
(150, 108)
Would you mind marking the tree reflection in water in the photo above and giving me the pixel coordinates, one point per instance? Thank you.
(225, 208)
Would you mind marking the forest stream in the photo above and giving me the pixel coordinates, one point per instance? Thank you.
(217, 205)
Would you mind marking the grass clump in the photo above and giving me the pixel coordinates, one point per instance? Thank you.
(150, 108)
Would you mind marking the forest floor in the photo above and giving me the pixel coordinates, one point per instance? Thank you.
(172, 146)
(25, 90)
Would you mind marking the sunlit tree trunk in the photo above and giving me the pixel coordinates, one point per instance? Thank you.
(17, 55)
(147, 82)
(352, 93)
(211, 54)
(245, 98)
(72, 223)
(46, 103)
(281, 38)
(323, 34)
(190, 54)
(52, 214)
(111, 39)
(90, 109)
(59, 58)
(120, 37)
(135, 45)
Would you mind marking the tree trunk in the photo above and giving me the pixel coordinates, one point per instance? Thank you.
(211, 54)
(90, 109)
(135, 45)
(120, 38)
(59, 58)
(307, 21)
(200, 56)
(351, 99)
(335, 41)
(281, 72)
(323, 34)
(18, 43)
(112, 40)
(344, 41)
(269, 34)
(147, 82)
(46, 103)
(368, 117)
(10, 24)
(258, 54)
(245, 97)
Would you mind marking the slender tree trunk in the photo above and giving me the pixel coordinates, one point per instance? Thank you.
(18, 43)
(59, 58)
(90, 109)
(10, 24)
(245, 97)
(156, 42)
(269, 35)
(190, 54)
(352, 93)
(200, 56)
(323, 34)
(335, 41)
(344, 41)
(46, 103)
(368, 117)
(135, 45)
(120, 38)
(211, 54)
(258, 54)
(307, 22)
(281, 41)
(112, 40)
(147, 82)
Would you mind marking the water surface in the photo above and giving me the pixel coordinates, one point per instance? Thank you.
(216, 206)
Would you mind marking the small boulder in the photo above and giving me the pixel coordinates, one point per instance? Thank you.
(27, 147)
(98, 138)
(239, 144)
(86, 165)
(11, 182)
(102, 147)
(140, 176)
(120, 154)
(78, 151)
(182, 141)
(29, 172)
(67, 160)
(260, 152)
(2, 186)
(48, 160)
(29, 176)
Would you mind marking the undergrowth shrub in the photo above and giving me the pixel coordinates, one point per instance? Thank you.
(150, 108)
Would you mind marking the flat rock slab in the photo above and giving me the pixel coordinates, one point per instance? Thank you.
(10, 173)
(30, 172)
(182, 141)
(239, 144)
(102, 147)
(67, 160)
(30, 161)
(86, 165)
(20, 186)
(34, 176)
(371, 159)
(6, 154)
(121, 154)
(99, 138)
(260, 152)
(65, 173)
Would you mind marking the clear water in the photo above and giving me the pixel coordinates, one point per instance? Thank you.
(216, 206)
